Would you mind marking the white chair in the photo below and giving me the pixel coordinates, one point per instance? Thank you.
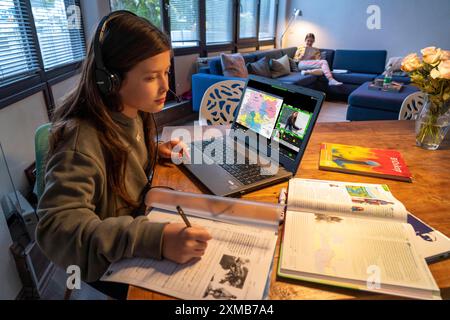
(411, 106)
(220, 101)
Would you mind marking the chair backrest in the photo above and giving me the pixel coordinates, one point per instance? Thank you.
(220, 101)
(41, 147)
(411, 106)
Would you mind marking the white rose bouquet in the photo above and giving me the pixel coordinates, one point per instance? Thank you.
(431, 74)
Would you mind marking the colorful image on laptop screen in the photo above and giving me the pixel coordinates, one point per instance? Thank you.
(259, 111)
(276, 114)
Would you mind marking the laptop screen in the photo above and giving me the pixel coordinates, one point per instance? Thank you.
(279, 113)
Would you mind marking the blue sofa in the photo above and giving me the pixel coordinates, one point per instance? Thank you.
(363, 66)
(207, 76)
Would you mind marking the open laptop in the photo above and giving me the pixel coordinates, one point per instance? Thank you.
(273, 124)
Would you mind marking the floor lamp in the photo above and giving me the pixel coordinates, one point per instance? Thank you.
(295, 14)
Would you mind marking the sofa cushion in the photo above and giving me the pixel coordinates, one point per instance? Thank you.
(354, 78)
(215, 64)
(249, 57)
(280, 67)
(233, 65)
(260, 68)
(362, 61)
(298, 79)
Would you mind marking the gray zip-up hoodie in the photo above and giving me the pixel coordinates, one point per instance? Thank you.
(82, 222)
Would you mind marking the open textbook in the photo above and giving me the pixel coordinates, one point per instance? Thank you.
(352, 235)
(237, 262)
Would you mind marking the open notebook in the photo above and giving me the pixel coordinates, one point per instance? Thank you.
(352, 235)
(237, 262)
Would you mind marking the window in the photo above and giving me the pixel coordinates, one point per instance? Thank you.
(60, 31)
(149, 9)
(247, 18)
(267, 19)
(18, 57)
(219, 21)
(41, 43)
(184, 23)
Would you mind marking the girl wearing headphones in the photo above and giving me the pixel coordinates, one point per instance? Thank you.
(102, 140)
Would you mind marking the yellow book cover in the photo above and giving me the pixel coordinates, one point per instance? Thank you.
(381, 163)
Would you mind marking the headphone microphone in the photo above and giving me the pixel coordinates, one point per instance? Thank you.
(176, 96)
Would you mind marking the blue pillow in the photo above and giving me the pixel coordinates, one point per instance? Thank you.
(280, 67)
(260, 67)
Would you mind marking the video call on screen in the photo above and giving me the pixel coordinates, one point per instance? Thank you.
(277, 114)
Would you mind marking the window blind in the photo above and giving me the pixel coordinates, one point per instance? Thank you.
(18, 56)
(219, 21)
(247, 18)
(267, 19)
(60, 32)
(184, 23)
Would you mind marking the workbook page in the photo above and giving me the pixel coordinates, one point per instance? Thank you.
(349, 248)
(345, 198)
(236, 264)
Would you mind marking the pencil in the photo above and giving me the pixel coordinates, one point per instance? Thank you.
(183, 216)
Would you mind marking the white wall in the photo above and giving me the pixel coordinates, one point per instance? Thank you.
(406, 25)
(281, 21)
(18, 122)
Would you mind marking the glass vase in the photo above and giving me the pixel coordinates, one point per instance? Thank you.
(432, 123)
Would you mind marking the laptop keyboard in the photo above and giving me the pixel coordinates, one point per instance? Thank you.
(245, 173)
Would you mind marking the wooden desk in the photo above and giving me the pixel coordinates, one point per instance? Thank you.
(428, 197)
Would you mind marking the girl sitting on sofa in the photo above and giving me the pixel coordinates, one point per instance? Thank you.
(309, 60)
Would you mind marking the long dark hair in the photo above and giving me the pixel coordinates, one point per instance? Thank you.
(128, 41)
